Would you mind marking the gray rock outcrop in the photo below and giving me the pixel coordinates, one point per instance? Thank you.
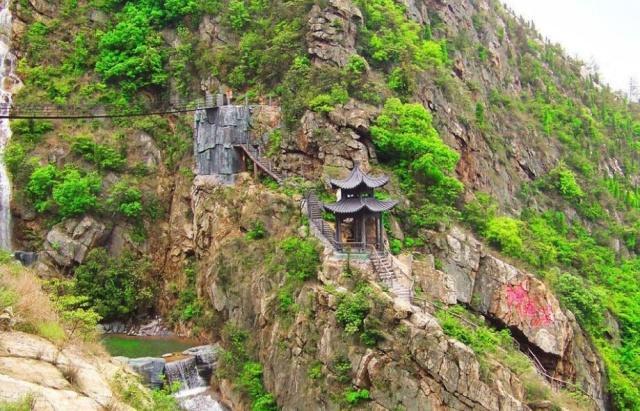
(68, 243)
(57, 379)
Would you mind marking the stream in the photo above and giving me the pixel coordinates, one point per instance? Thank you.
(172, 359)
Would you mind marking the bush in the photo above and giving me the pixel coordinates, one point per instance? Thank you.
(353, 309)
(131, 52)
(40, 186)
(504, 232)
(72, 192)
(116, 287)
(103, 156)
(564, 180)
(354, 397)
(125, 199)
(478, 212)
(76, 194)
(325, 103)
(257, 231)
(576, 296)
(404, 135)
(250, 381)
(302, 258)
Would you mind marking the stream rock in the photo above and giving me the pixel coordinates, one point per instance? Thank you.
(151, 369)
(206, 359)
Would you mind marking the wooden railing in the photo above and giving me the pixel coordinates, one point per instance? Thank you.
(262, 162)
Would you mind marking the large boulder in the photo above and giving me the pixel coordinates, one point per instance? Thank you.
(151, 369)
(68, 243)
(206, 359)
(521, 301)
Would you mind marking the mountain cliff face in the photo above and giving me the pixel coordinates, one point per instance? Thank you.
(516, 172)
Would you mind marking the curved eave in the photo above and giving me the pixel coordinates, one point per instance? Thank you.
(356, 178)
(355, 205)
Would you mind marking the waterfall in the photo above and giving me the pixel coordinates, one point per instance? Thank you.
(194, 394)
(8, 84)
(185, 372)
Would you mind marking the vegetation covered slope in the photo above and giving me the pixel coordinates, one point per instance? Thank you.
(524, 124)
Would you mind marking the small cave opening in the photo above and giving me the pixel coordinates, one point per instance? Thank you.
(541, 359)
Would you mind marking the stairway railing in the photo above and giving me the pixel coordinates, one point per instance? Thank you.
(263, 162)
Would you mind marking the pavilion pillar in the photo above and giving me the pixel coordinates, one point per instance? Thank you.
(338, 229)
(364, 230)
(380, 233)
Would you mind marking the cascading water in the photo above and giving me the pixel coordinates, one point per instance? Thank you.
(8, 84)
(194, 394)
(185, 372)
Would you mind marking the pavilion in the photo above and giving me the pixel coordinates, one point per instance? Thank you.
(358, 213)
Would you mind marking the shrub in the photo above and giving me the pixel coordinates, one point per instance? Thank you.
(577, 297)
(103, 156)
(325, 103)
(257, 231)
(72, 192)
(40, 186)
(565, 182)
(478, 212)
(76, 194)
(353, 309)
(302, 258)
(354, 397)
(250, 381)
(404, 132)
(131, 51)
(504, 232)
(30, 131)
(116, 287)
(315, 371)
(358, 65)
(125, 199)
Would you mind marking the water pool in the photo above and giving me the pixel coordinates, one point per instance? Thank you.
(135, 347)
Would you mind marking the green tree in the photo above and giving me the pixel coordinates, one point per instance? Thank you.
(116, 287)
(76, 193)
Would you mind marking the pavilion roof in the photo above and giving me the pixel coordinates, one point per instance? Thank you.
(358, 177)
(354, 205)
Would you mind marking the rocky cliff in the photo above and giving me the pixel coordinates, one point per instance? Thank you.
(539, 239)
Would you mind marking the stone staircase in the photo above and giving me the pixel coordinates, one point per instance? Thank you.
(262, 162)
(384, 267)
(314, 212)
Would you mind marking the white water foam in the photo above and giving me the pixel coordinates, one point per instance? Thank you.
(8, 84)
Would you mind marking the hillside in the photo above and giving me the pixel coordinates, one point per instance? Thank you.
(516, 172)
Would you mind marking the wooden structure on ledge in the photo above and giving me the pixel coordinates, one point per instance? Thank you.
(357, 212)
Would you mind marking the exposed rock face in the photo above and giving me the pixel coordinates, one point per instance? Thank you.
(68, 243)
(332, 32)
(58, 379)
(327, 145)
(415, 367)
(521, 301)
(515, 299)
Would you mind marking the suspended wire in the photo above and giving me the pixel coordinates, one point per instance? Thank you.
(36, 112)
